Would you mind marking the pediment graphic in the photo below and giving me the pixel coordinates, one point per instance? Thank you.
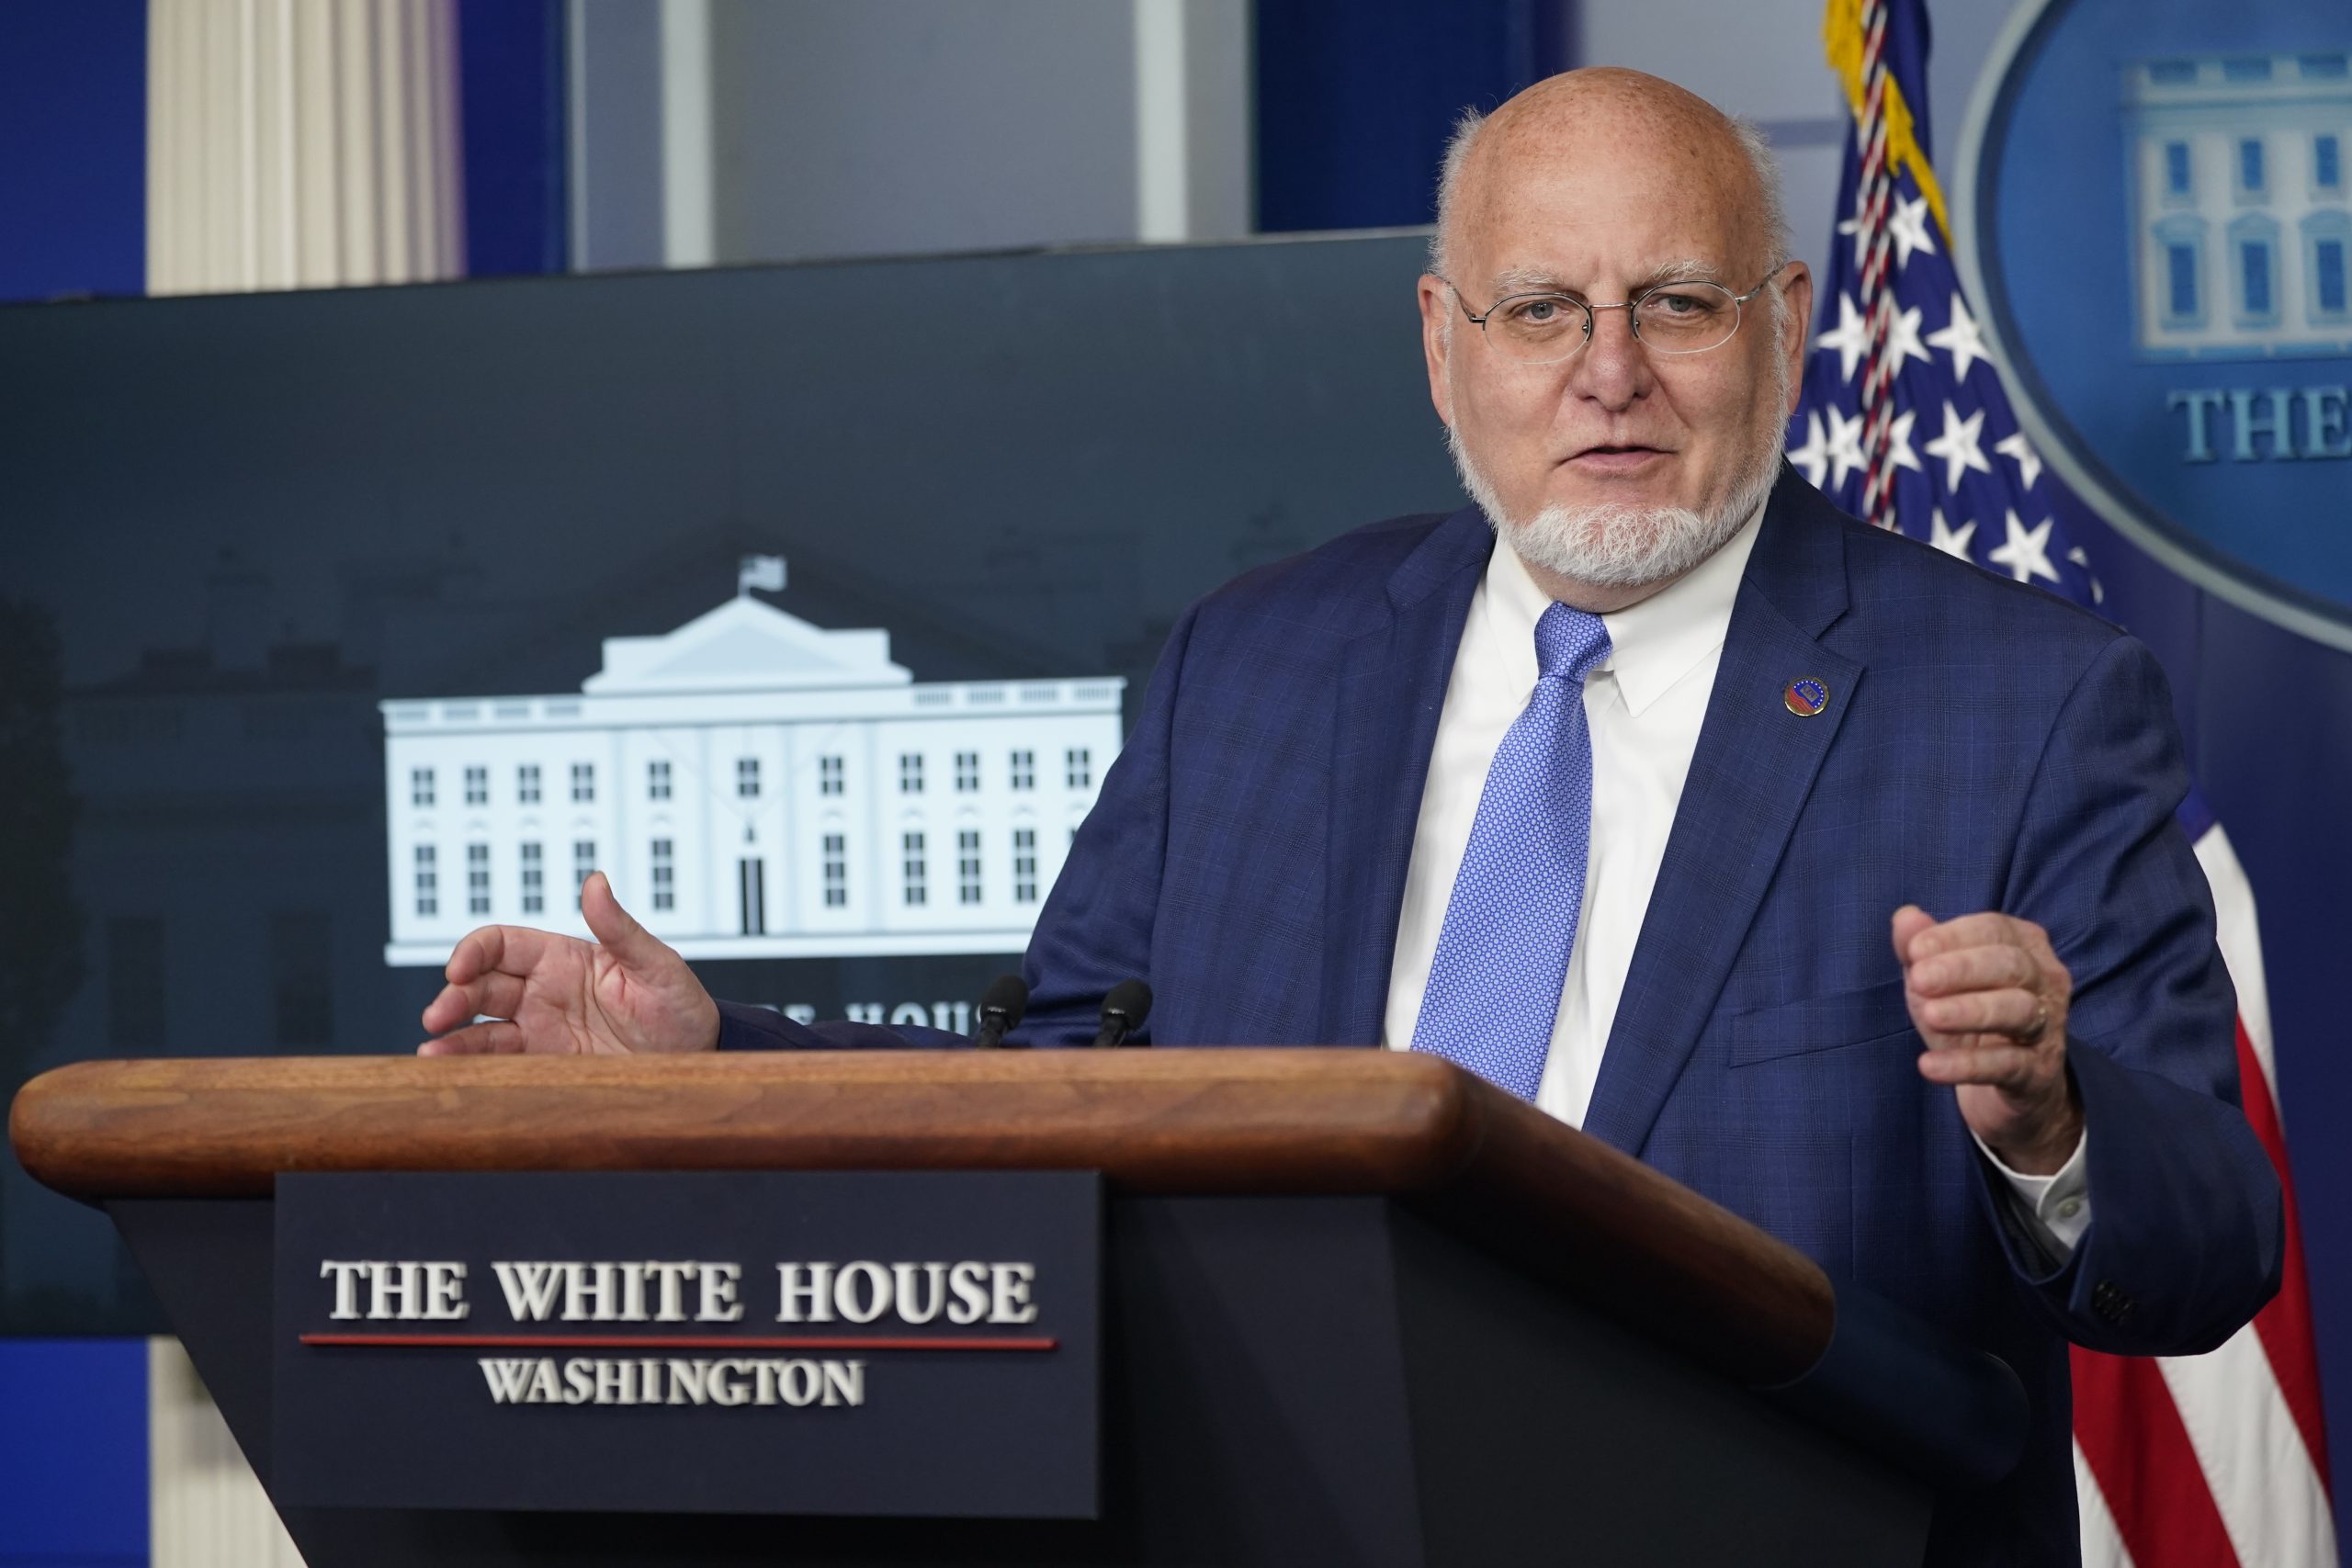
(747, 645)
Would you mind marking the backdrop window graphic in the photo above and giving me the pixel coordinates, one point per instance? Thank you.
(743, 752)
(2237, 178)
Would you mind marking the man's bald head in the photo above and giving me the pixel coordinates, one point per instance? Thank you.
(1599, 112)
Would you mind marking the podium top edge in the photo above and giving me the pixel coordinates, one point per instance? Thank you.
(1161, 1120)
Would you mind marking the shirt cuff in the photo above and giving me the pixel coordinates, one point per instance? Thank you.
(2057, 1207)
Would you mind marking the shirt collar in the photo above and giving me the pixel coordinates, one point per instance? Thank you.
(1652, 644)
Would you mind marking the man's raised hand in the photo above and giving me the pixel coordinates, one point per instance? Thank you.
(1988, 994)
(627, 992)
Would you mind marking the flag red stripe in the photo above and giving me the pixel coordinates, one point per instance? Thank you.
(2285, 1325)
(2133, 1439)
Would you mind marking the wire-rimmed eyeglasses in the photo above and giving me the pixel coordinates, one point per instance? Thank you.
(1542, 328)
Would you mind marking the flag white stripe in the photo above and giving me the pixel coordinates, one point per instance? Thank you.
(2102, 1542)
(2239, 935)
(2252, 1453)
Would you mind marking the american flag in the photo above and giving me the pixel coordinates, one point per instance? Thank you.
(2206, 1460)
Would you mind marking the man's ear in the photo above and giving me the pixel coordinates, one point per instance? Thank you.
(1798, 290)
(1437, 341)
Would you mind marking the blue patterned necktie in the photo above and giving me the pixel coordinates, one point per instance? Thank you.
(1502, 955)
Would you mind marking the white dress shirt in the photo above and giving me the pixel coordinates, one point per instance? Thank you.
(1644, 705)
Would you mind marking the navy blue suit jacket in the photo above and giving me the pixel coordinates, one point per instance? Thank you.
(1986, 746)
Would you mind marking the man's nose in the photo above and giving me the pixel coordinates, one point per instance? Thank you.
(1614, 369)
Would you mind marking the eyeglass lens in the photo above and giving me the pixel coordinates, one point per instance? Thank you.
(1676, 318)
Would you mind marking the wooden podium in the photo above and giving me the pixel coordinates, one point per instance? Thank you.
(1359, 1307)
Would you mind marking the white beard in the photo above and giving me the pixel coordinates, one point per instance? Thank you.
(1617, 546)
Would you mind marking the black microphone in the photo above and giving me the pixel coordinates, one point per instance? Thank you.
(1123, 1011)
(1001, 1006)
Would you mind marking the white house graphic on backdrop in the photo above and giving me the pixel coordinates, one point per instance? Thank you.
(2243, 236)
(755, 787)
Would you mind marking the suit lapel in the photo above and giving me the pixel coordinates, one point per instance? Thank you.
(1392, 685)
(1750, 777)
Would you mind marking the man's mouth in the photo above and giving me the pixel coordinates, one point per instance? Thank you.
(1610, 456)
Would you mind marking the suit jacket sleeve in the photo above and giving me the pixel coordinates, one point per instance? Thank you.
(2187, 1232)
(1095, 928)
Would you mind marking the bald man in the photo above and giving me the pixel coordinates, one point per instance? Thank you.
(1834, 877)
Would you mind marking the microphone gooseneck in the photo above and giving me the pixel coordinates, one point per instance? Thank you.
(1000, 1008)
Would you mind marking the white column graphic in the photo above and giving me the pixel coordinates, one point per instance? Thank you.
(689, 167)
(301, 144)
(206, 1508)
(1192, 96)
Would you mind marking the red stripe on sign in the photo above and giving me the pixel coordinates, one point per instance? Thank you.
(659, 1342)
(2285, 1325)
(2133, 1439)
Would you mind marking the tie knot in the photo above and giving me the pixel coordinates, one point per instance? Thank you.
(1568, 642)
